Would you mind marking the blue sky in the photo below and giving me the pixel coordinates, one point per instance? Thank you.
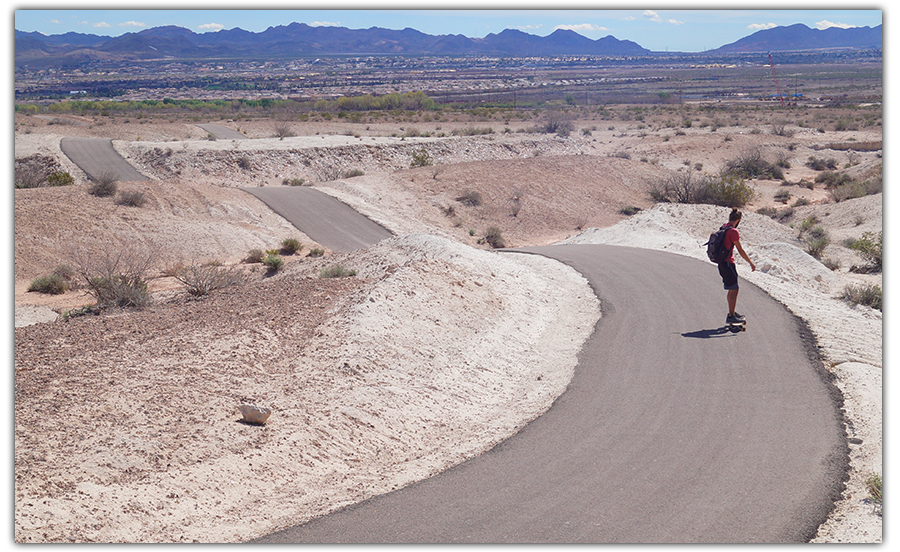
(658, 29)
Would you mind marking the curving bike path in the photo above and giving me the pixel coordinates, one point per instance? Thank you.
(671, 431)
(96, 156)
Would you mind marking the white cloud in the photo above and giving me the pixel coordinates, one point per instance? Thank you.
(529, 27)
(761, 26)
(132, 24)
(54, 21)
(211, 27)
(653, 16)
(325, 24)
(825, 24)
(581, 27)
(102, 24)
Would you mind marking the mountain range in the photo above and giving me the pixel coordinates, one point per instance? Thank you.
(299, 39)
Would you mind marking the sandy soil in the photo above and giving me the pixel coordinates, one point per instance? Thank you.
(127, 425)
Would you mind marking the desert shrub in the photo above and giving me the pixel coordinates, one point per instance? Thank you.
(874, 486)
(353, 172)
(132, 198)
(819, 164)
(316, 252)
(291, 246)
(782, 196)
(472, 131)
(51, 284)
(470, 198)
(833, 179)
(816, 241)
(679, 187)
(780, 129)
(855, 189)
(767, 211)
(336, 271)
(751, 164)
(630, 210)
(32, 172)
(494, 238)
(870, 248)
(420, 158)
(292, 182)
(116, 277)
(200, 279)
(282, 131)
(801, 202)
(255, 256)
(60, 178)
(245, 163)
(273, 261)
(105, 184)
(557, 122)
(863, 294)
(728, 191)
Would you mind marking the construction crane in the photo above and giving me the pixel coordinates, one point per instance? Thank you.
(774, 76)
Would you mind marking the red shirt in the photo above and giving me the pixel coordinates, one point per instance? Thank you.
(731, 236)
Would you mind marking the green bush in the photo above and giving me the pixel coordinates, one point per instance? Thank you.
(819, 164)
(751, 165)
(273, 261)
(316, 252)
(60, 178)
(291, 246)
(862, 294)
(292, 182)
(494, 238)
(336, 271)
(875, 487)
(420, 158)
(52, 284)
(870, 248)
(728, 191)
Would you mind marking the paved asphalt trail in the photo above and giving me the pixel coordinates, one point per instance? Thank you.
(322, 217)
(222, 132)
(96, 156)
(671, 431)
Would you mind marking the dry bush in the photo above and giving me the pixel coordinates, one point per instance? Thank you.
(200, 279)
(105, 184)
(116, 276)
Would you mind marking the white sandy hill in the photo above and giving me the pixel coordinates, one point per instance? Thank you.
(849, 337)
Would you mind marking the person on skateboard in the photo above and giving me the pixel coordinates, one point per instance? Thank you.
(727, 268)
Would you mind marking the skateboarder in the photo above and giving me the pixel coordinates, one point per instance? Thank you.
(728, 270)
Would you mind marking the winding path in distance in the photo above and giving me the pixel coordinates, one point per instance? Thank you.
(671, 431)
(323, 218)
(96, 156)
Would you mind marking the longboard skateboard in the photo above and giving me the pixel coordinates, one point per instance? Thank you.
(737, 326)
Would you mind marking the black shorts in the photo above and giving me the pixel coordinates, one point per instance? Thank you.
(729, 275)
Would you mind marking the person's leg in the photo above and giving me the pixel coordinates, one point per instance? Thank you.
(732, 300)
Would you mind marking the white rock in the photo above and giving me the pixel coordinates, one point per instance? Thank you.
(254, 414)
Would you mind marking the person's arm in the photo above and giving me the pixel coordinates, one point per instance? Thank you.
(746, 257)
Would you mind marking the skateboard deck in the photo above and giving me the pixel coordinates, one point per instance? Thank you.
(737, 326)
